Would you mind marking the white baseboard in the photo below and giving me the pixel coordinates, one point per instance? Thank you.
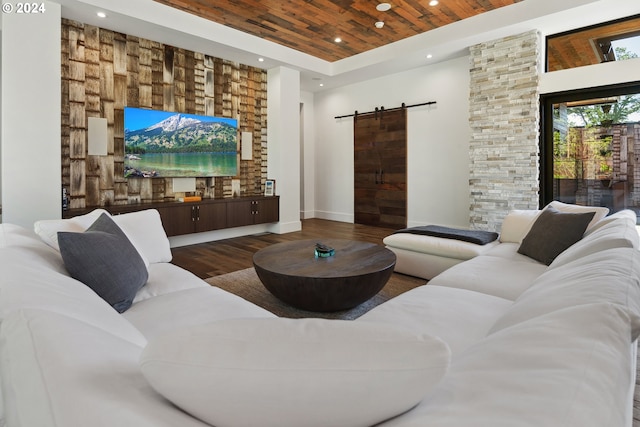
(210, 236)
(335, 216)
(228, 233)
(285, 227)
(307, 214)
(277, 228)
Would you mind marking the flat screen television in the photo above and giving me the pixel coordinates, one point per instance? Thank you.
(168, 144)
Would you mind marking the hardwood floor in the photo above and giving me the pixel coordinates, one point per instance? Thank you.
(225, 256)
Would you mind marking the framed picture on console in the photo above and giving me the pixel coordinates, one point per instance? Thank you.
(270, 187)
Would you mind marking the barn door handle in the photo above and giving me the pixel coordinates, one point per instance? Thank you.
(381, 176)
(376, 172)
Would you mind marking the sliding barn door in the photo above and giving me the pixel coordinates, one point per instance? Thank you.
(380, 166)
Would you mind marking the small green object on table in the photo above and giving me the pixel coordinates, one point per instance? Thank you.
(324, 251)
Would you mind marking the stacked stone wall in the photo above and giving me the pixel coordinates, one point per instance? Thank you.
(504, 118)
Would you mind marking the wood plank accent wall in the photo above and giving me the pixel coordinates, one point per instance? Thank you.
(103, 71)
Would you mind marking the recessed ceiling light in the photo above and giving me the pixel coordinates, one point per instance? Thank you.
(321, 84)
(383, 7)
(433, 3)
(101, 15)
(260, 59)
(337, 40)
(429, 56)
(379, 24)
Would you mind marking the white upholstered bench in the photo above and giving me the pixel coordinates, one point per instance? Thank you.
(427, 256)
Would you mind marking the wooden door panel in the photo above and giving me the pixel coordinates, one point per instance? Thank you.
(267, 210)
(365, 180)
(211, 217)
(380, 169)
(392, 181)
(366, 219)
(390, 221)
(239, 213)
(177, 220)
(390, 197)
(370, 209)
(367, 195)
(389, 209)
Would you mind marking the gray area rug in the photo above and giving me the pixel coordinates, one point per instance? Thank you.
(246, 284)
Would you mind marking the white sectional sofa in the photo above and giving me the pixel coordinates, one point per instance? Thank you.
(498, 340)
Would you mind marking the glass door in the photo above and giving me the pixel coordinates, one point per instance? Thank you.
(591, 148)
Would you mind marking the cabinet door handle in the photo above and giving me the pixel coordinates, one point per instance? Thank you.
(197, 213)
(193, 214)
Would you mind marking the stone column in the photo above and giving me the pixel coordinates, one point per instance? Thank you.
(504, 120)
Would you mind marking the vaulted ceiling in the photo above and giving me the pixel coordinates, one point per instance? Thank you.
(312, 26)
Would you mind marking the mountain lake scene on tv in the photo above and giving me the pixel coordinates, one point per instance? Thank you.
(162, 144)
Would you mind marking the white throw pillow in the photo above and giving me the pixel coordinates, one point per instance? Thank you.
(600, 212)
(294, 372)
(517, 224)
(144, 229)
(48, 229)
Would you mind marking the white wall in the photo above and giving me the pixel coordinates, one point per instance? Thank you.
(607, 73)
(283, 144)
(437, 145)
(0, 128)
(307, 132)
(31, 170)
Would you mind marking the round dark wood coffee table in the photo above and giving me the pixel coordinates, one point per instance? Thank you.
(292, 273)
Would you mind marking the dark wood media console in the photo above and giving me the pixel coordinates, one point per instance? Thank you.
(206, 215)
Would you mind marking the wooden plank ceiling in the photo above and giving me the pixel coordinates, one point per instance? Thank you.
(311, 26)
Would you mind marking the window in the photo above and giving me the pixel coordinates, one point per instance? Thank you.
(590, 147)
(620, 47)
(611, 41)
